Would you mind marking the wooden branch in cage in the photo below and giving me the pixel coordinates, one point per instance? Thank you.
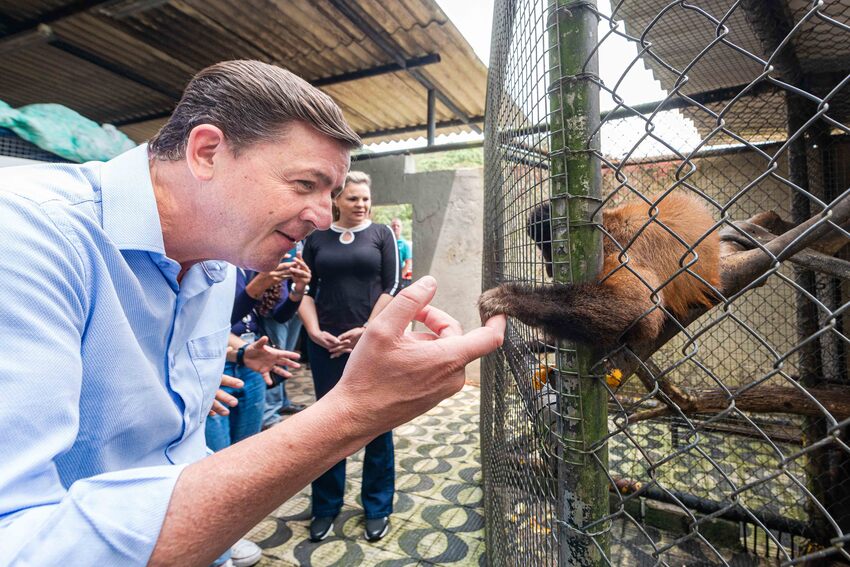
(740, 269)
(649, 375)
(829, 244)
(758, 399)
(753, 233)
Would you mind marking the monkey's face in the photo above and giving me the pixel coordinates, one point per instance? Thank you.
(539, 228)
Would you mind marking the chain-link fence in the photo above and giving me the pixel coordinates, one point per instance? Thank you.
(720, 438)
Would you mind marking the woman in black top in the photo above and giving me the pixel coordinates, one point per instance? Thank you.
(355, 274)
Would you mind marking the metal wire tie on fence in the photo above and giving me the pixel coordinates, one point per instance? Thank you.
(568, 79)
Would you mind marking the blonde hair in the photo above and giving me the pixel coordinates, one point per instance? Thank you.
(358, 177)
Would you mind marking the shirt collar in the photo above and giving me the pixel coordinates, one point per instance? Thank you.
(130, 216)
(214, 270)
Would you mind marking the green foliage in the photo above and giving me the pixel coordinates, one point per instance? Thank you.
(456, 159)
(384, 214)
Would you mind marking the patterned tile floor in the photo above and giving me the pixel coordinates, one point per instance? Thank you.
(438, 517)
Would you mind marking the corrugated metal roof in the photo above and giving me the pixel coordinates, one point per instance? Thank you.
(126, 61)
(684, 40)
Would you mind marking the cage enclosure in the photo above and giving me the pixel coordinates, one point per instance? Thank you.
(703, 432)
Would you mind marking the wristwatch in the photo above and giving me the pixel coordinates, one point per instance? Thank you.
(240, 355)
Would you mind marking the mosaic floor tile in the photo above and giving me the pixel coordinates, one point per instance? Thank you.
(438, 517)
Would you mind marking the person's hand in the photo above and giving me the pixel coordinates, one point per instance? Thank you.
(264, 280)
(262, 358)
(347, 341)
(223, 400)
(393, 376)
(299, 273)
(324, 339)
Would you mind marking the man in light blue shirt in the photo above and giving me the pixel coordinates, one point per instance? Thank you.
(115, 296)
(93, 314)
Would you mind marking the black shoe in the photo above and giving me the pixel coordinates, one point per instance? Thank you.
(320, 527)
(376, 528)
(291, 409)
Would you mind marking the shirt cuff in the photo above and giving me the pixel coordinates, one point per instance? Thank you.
(109, 519)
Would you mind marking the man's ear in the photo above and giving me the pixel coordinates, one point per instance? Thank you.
(206, 143)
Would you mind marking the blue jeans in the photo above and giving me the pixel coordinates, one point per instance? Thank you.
(378, 486)
(285, 335)
(246, 418)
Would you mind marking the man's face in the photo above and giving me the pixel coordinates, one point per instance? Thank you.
(396, 226)
(276, 193)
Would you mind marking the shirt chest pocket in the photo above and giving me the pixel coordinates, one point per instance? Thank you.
(207, 354)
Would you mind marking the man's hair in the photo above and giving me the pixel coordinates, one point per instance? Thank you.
(358, 177)
(250, 102)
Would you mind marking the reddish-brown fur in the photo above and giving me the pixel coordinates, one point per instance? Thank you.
(621, 303)
(657, 255)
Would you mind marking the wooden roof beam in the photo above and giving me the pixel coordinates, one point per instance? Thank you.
(392, 50)
(334, 80)
(112, 67)
(419, 127)
(772, 24)
(379, 70)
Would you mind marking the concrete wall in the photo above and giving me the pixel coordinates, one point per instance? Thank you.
(447, 229)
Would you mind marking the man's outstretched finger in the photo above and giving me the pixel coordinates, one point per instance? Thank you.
(404, 306)
(478, 342)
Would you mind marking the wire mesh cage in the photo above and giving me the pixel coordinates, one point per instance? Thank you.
(666, 226)
(12, 145)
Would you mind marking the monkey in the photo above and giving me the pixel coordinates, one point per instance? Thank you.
(619, 306)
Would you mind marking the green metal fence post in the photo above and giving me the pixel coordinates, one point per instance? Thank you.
(577, 254)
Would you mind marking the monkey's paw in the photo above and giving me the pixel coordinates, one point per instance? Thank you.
(492, 302)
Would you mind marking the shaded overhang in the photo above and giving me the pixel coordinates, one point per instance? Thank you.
(394, 67)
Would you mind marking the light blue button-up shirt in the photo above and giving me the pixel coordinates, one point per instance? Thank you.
(108, 366)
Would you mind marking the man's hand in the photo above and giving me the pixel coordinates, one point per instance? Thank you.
(393, 376)
(223, 399)
(262, 358)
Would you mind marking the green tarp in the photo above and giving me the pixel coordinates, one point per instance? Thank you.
(64, 132)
